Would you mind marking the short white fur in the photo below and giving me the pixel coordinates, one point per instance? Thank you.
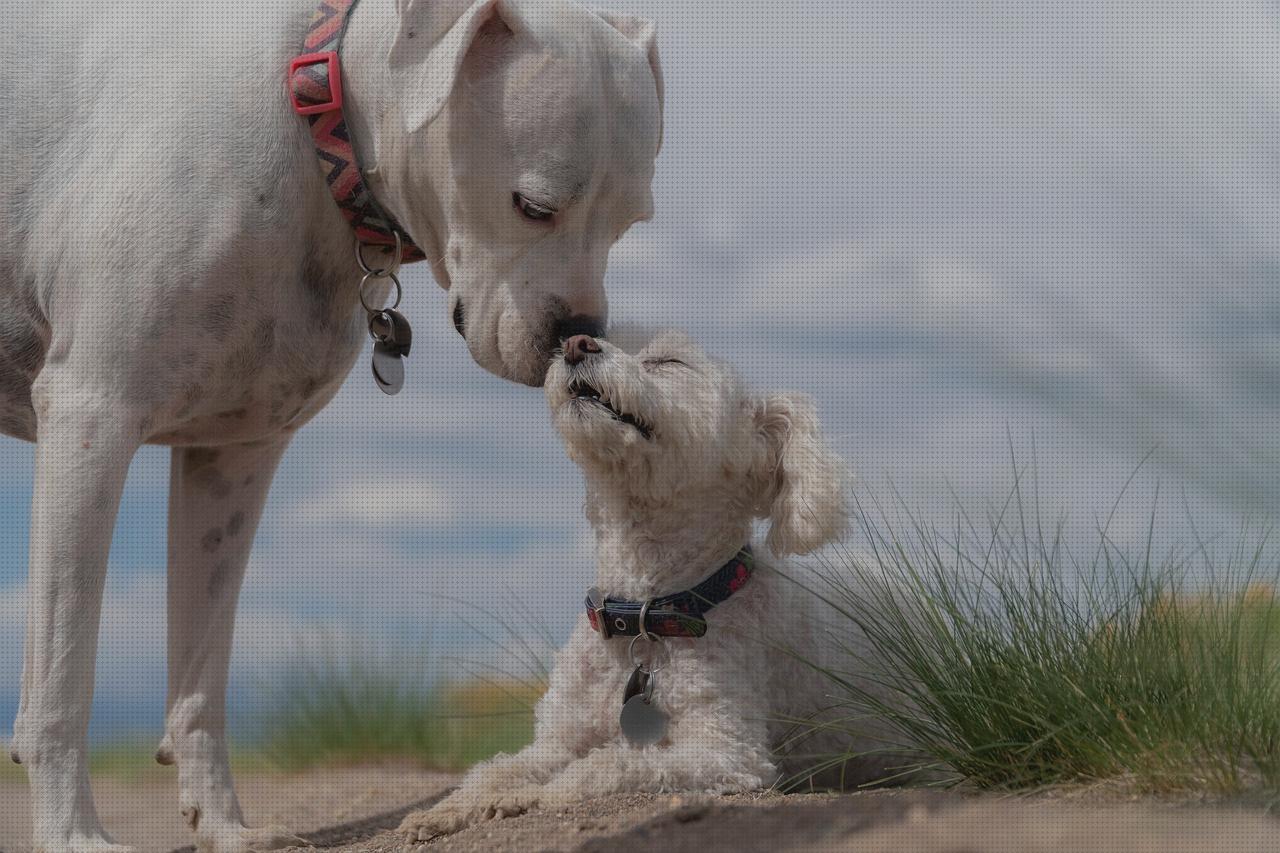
(173, 270)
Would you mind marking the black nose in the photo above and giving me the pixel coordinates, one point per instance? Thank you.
(578, 347)
(457, 318)
(579, 324)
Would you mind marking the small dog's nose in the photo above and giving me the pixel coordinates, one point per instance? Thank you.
(577, 348)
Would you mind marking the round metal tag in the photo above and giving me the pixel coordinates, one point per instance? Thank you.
(388, 371)
(642, 723)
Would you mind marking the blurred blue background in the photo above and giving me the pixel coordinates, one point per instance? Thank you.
(965, 228)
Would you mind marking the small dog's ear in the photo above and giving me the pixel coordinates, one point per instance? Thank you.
(802, 482)
(433, 39)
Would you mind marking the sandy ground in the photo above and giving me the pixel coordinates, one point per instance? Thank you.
(145, 814)
(354, 810)
(904, 821)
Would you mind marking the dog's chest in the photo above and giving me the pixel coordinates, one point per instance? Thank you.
(698, 681)
(234, 358)
(268, 376)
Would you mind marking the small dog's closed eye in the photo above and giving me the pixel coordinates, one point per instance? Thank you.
(681, 669)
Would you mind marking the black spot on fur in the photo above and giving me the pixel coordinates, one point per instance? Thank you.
(219, 316)
(212, 540)
(235, 523)
(202, 473)
(264, 335)
(190, 395)
(219, 486)
(328, 308)
(218, 578)
(243, 363)
(202, 457)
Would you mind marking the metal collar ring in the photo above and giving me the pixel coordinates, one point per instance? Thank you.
(648, 665)
(380, 272)
(377, 274)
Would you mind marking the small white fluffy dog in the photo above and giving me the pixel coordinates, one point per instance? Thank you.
(680, 460)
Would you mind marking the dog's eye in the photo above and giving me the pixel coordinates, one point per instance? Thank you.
(530, 209)
(651, 363)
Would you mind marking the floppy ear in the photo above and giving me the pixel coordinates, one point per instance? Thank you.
(643, 34)
(434, 37)
(802, 482)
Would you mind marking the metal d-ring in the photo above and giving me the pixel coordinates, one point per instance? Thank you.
(380, 272)
(649, 636)
(644, 615)
(376, 274)
(648, 665)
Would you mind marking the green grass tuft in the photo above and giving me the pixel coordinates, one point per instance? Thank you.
(353, 716)
(351, 707)
(338, 705)
(1012, 666)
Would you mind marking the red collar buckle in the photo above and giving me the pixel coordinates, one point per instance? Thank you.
(315, 83)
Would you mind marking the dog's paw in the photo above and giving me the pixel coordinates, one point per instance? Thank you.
(457, 813)
(241, 839)
(260, 838)
(88, 844)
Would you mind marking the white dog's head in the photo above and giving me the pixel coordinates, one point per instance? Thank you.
(665, 423)
(518, 145)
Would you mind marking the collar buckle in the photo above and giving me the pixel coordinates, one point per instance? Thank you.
(596, 613)
(315, 83)
(680, 614)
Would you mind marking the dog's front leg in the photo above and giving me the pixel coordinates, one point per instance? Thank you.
(216, 497)
(83, 450)
(716, 746)
(503, 786)
(506, 785)
(702, 758)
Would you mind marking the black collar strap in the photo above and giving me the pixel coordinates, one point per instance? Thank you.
(676, 615)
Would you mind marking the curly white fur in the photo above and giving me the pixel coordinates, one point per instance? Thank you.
(668, 508)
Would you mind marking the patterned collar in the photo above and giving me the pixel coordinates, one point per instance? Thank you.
(315, 88)
(677, 615)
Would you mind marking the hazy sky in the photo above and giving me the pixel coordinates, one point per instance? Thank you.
(951, 223)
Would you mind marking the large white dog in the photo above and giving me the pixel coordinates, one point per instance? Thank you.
(174, 270)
